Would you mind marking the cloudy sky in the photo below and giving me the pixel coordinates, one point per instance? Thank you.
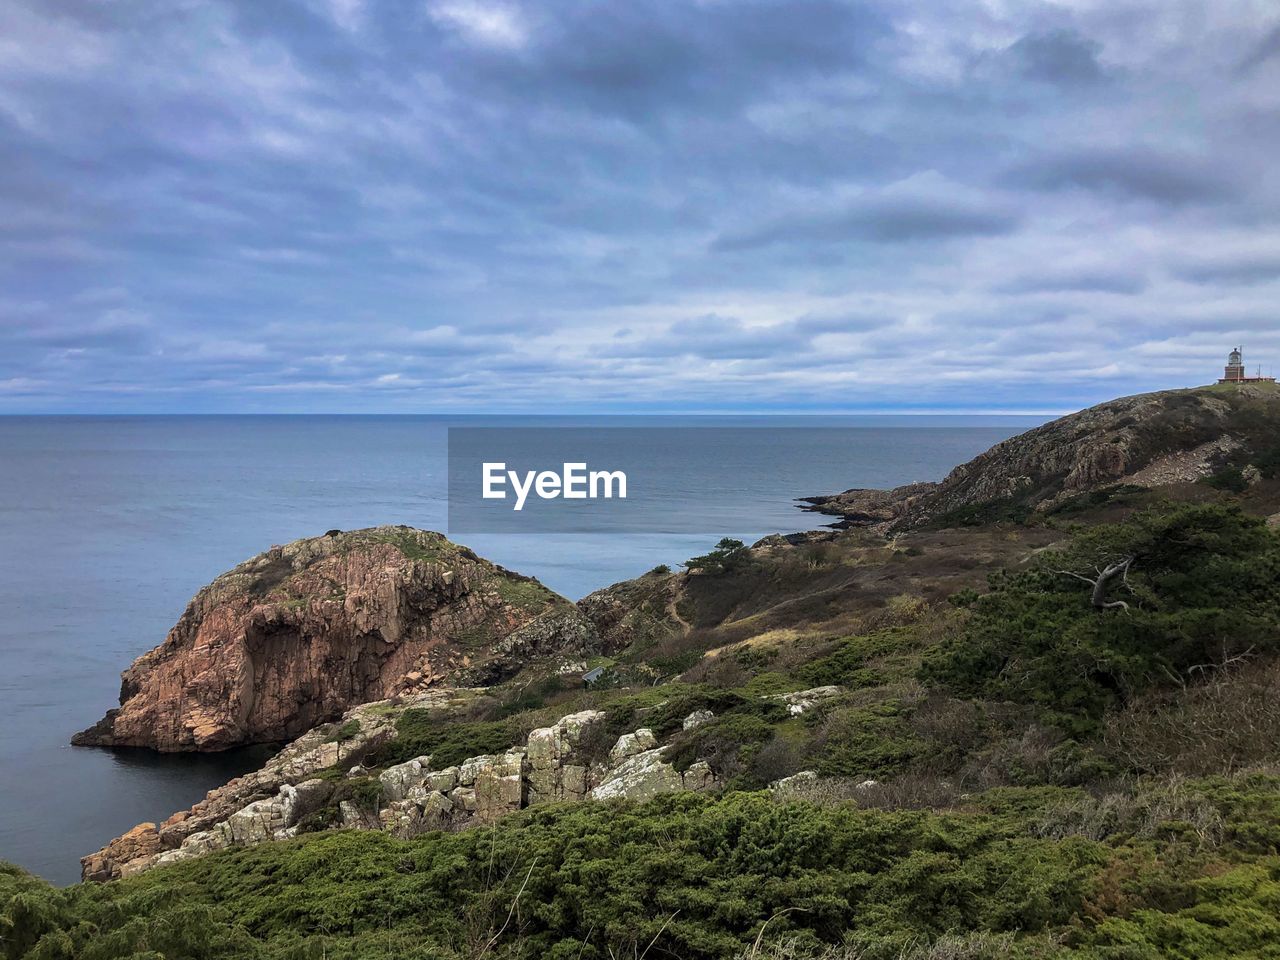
(438, 205)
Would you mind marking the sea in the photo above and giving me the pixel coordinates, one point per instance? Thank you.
(108, 526)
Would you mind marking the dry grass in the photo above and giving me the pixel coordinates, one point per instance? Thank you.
(970, 946)
(1230, 721)
(1142, 811)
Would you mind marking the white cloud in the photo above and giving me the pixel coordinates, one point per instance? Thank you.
(483, 23)
(348, 14)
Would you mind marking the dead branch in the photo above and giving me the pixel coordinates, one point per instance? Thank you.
(1102, 581)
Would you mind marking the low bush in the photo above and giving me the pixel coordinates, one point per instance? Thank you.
(1011, 873)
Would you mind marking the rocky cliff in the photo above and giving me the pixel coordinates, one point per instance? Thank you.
(1152, 439)
(298, 634)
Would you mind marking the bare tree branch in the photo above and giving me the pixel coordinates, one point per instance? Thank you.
(1102, 581)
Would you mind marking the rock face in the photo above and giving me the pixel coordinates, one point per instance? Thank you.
(1151, 439)
(298, 634)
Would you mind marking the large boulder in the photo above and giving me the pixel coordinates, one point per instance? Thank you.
(298, 634)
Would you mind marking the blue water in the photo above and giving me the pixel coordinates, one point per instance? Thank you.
(109, 525)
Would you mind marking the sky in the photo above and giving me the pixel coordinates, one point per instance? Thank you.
(301, 206)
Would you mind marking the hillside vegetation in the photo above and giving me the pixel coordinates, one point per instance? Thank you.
(1012, 766)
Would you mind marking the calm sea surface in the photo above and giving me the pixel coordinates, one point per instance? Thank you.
(109, 525)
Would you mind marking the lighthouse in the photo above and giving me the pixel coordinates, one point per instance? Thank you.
(1235, 373)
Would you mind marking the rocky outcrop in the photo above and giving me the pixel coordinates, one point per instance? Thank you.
(871, 508)
(1151, 439)
(267, 792)
(298, 634)
(303, 788)
(643, 610)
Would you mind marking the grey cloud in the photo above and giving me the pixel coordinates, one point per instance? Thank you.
(901, 213)
(380, 208)
(709, 337)
(1162, 176)
(1058, 56)
(1102, 280)
(713, 337)
(1252, 268)
(635, 59)
(1266, 49)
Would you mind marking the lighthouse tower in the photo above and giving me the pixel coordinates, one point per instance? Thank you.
(1234, 372)
(1235, 367)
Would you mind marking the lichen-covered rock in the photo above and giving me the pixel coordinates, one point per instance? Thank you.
(367, 728)
(274, 818)
(299, 634)
(437, 809)
(399, 780)
(630, 744)
(471, 769)
(500, 785)
(354, 817)
(401, 818)
(639, 777)
(802, 701)
(699, 776)
(196, 845)
(464, 799)
(554, 764)
(795, 781)
(258, 822)
(697, 719)
(556, 770)
(444, 780)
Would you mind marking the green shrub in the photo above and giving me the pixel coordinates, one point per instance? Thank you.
(421, 733)
(847, 665)
(728, 555)
(727, 743)
(697, 875)
(1230, 479)
(1201, 590)
(344, 732)
(866, 742)
(706, 878)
